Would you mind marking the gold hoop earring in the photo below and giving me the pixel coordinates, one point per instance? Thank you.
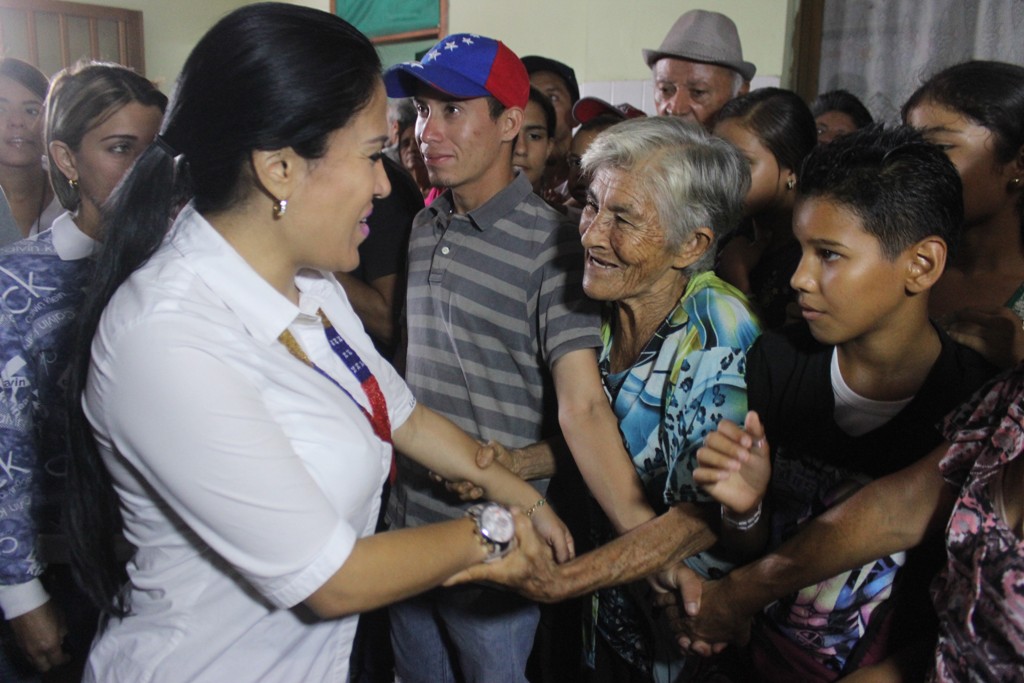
(73, 183)
(280, 206)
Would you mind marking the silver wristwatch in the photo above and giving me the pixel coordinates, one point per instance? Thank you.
(497, 528)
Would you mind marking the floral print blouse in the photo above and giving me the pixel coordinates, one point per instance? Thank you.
(979, 596)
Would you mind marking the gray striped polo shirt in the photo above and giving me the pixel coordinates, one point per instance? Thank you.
(495, 297)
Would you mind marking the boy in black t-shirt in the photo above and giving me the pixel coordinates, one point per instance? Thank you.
(853, 393)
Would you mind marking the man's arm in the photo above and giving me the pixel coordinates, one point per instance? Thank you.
(891, 514)
(591, 430)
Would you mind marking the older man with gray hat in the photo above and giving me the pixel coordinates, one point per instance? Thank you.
(699, 66)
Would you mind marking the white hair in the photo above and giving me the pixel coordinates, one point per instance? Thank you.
(693, 179)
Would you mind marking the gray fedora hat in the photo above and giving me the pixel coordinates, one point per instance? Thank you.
(703, 36)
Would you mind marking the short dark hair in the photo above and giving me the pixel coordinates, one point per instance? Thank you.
(779, 119)
(902, 187)
(549, 109)
(495, 107)
(845, 102)
(25, 74)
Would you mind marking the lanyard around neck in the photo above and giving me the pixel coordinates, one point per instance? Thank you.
(379, 416)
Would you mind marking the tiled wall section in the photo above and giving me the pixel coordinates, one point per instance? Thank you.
(641, 93)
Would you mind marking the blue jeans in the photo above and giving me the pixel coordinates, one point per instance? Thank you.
(466, 633)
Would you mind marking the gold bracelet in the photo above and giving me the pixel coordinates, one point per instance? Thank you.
(533, 508)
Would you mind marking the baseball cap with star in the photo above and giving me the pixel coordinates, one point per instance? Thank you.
(464, 65)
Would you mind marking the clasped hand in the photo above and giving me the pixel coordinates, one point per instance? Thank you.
(545, 521)
(40, 634)
(734, 466)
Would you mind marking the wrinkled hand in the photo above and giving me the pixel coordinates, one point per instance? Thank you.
(39, 634)
(734, 464)
(529, 569)
(995, 333)
(485, 455)
(720, 620)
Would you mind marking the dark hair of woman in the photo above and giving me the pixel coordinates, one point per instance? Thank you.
(27, 75)
(267, 76)
(780, 119)
(989, 93)
(842, 101)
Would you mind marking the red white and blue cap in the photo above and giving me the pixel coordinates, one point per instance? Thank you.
(465, 65)
(590, 108)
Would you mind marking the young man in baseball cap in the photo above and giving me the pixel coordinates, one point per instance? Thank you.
(501, 337)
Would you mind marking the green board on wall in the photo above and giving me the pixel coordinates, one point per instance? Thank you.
(387, 20)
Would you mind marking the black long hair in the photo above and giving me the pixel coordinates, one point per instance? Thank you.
(266, 76)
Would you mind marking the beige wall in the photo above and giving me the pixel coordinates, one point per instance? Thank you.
(602, 39)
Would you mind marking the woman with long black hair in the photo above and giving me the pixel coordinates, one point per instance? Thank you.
(243, 422)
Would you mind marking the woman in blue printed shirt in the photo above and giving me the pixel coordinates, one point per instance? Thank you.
(99, 118)
(675, 335)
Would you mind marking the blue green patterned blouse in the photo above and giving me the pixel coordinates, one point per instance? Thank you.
(690, 376)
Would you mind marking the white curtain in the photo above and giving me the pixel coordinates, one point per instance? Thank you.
(882, 51)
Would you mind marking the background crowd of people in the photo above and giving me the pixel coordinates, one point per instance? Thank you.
(544, 388)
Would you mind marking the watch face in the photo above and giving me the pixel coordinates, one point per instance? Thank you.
(498, 523)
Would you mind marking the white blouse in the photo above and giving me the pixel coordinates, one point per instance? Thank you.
(245, 477)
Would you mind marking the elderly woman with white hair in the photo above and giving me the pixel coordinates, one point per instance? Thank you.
(675, 340)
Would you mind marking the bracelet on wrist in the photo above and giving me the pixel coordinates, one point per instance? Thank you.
(745, 523)
(533, 508)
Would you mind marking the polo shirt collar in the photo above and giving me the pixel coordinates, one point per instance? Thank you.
(70, 243)
(264, 311)
(491, 211)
